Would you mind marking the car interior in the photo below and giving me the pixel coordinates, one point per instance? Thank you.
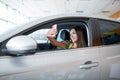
(63, 35)
(109, 33)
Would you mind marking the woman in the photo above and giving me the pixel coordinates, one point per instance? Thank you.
(76, 36)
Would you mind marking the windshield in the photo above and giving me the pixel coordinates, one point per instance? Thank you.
(4, 30)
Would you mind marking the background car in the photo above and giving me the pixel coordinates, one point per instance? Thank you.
(27, 54)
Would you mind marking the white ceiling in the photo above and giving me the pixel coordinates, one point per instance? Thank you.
(41, 8)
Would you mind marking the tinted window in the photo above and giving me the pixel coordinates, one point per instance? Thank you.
(110, 32)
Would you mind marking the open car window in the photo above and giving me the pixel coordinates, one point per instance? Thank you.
(44, 44)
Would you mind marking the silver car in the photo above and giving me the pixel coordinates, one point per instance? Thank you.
(27, 54)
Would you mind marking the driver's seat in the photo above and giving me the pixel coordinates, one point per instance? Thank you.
(65, 35)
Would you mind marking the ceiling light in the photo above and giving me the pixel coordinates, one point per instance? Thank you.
(79, 11)
(105, 11)
(84, 0)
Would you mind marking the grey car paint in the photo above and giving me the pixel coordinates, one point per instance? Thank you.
(89, 63)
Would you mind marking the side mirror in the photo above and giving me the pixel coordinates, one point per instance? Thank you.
(21, 45)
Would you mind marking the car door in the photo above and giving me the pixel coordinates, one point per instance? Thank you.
(53, 65)
(110, 49)
(71, 64)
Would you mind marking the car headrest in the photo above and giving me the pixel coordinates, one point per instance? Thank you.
(65, 35)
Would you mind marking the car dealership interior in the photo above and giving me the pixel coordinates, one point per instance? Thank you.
(16, 12)
(59, 39)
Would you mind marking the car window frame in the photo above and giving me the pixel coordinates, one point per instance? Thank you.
(49, 23)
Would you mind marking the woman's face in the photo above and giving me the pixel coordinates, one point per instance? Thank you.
(73, 35)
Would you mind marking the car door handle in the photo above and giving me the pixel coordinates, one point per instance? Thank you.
(89, 65)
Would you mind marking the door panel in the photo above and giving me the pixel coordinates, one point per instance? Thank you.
(110, 50)
(53, 65)
(110, 62)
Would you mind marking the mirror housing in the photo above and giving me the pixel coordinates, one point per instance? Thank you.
(21, 45)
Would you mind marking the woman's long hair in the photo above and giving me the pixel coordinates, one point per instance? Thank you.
(81, 36)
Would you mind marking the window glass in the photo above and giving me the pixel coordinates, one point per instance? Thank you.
(3, 11)
(40, 35)
(110, 32)
(5, 27)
